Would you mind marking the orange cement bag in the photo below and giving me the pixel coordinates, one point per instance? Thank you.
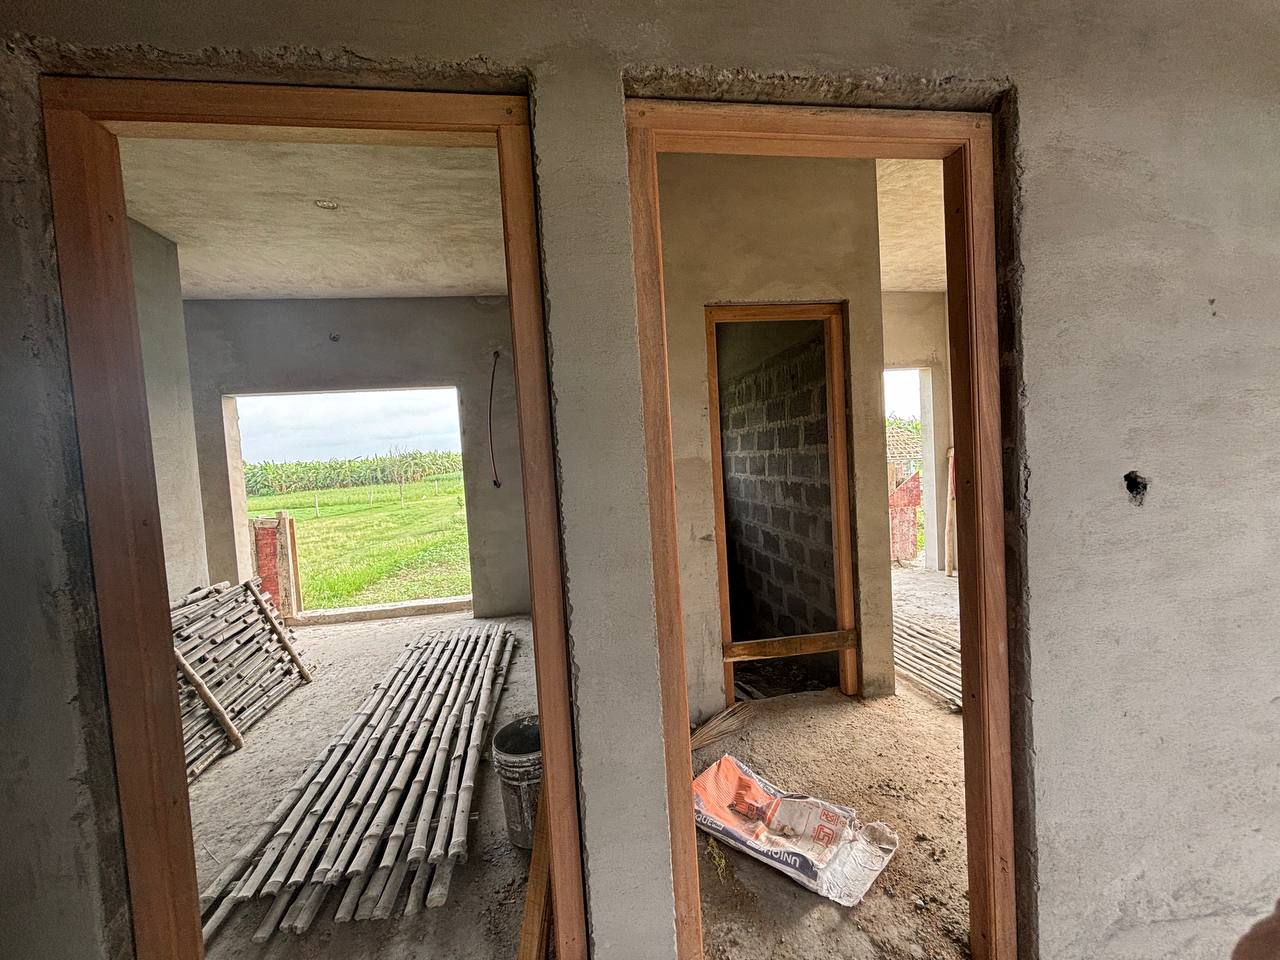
(820, 845)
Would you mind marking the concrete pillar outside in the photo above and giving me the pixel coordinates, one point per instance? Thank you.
(935, 420)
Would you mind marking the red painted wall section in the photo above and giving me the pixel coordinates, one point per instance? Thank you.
(265, 554)
(903, 502)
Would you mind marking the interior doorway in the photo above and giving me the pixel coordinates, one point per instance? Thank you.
(780, 463)
(144, 630)
(664, 136)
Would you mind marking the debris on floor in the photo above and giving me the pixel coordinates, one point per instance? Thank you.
(894, 759)
(822, 846)
(721, 725)
(235, 661)
(388, 802)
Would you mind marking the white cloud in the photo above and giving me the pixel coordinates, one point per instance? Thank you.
(318, 426)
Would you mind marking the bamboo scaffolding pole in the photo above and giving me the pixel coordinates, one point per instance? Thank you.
(373, 759)
(441, 743)
(281, 631)
(418, 890)
(466, 730)
(484, 712)
(351, 898)
(409, 755)
(440, 880)
(284, 830)
(235, 866)
(271, 922)
(391, 780)
(371, 729)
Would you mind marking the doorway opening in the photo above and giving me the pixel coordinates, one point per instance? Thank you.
(223, 241)
(780, 463)
(371, 484)
(902, 828)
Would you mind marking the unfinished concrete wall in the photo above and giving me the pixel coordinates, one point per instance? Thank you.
(915, 335)
(744, 229)
(1139, 334)
(777, 489)
(158, 292)
(315, 346)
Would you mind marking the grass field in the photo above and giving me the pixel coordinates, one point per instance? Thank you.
(364, 547)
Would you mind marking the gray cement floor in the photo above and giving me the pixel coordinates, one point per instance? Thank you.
(482, 917)
(929, 596)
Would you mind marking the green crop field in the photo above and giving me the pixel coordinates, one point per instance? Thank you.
(365, 547)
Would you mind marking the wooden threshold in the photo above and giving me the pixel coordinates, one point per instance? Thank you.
(797, 646)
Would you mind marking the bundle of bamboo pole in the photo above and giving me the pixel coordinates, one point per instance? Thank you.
(387, 804)
(928, 656)
(235, 661)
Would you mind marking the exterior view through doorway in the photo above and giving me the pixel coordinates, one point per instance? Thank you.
(83, 119)
(963, 142)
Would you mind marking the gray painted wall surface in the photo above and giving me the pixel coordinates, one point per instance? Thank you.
(915, 335)
(764, 229)
(1140, 333)
(313, 346)
(162, 331)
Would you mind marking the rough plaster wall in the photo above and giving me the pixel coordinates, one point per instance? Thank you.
(61, 869)
(915, 335)
(591, 320)
(315, 346)
(777, 490)
(158, 292)
(1134, 173)
(743, 229)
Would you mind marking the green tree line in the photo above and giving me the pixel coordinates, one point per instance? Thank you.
(407, 466)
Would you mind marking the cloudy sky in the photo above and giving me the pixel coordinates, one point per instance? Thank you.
(902, 394)
(319, 426)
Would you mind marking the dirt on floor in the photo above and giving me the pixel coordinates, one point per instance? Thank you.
(481, 919)
(897, 759)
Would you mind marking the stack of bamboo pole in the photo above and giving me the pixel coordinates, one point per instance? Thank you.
(928, 656)
(387, 804)
(235, 661)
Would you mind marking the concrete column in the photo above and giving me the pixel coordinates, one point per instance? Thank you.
(935, 421)
(579, 137)
(226, 522)
(163, 335)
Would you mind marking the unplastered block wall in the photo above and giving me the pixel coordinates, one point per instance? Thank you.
(314, 346)
(1140, 298)
(770, 230)
(157, 291)
(777, 494)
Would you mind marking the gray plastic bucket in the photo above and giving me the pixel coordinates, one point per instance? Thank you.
(517, 759)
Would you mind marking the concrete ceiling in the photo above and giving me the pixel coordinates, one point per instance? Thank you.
(411, 221)
(912, 245)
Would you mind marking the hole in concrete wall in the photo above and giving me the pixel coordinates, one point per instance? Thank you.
(1137, 486)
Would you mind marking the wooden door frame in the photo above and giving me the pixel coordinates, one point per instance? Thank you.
(844, 639)
(83, 118)
(963, 142)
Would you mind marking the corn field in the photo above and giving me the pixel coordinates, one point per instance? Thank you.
(408, 466)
